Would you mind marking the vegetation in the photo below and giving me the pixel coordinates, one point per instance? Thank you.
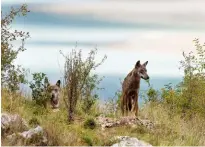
(90, 123)
(12, 75)
(40, 89)
(79, 83)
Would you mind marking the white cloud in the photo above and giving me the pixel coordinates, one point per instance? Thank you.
(63, 34)
(190, 13)
(165, 41)
(48, 59)
(162, 48)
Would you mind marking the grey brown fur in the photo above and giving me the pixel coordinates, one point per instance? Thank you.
(131, 86)
(54, 91)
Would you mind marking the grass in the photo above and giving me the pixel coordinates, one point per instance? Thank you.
(170, 128)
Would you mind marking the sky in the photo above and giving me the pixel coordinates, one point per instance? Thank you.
(126, 31)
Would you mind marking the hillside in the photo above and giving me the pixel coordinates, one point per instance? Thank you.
(169, 128)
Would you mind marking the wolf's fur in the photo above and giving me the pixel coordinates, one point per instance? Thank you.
(130, 88)
(54, 91)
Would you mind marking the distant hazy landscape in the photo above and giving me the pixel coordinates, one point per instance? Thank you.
(111, 84)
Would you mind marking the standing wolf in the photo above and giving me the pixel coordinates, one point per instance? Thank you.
(131, 86)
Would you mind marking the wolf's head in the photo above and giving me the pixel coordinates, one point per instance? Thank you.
(55, 94)
(141, 71)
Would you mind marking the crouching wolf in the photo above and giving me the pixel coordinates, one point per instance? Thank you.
(54, 94)
(131, 86)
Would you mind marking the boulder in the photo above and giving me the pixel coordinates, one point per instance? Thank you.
(34, 136)
(11, 123)
(15, 131)
(123, 141)
(106, 122)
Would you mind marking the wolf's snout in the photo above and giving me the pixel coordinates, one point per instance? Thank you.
(147, 77)
(52, 96)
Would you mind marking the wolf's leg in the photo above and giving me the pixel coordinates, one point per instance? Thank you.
(126, 105)
(122, 104)
(136, 110)
(135, 105)
(132, 102)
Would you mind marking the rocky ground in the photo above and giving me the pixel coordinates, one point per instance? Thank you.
(106, 122)
(123, 141)
(15, 130)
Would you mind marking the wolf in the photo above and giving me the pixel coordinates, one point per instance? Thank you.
(131, 86)
(54, 94)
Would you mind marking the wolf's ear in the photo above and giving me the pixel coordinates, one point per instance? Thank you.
(145, 64)
(137, 64)
(58, 83)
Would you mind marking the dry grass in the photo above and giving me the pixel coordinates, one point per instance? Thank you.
(172, 129)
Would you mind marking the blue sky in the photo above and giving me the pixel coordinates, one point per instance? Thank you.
(126, 31)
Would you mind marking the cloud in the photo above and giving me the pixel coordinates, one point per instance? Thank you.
(151, 41)
(166, 42)
(180, 13)
(162, 48)
(48, 59)
(124, 46)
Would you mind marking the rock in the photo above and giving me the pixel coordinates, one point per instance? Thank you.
(34, 136)
(106, 122)
(56, 110)
(11, 123)
(28, 134)
(129, 141)
(16, 131)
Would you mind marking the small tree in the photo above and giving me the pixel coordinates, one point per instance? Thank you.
(40, 89)
(79, 82)
(11, 75)
(193, 85)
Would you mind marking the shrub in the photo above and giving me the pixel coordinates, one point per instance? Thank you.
(188, 97)
(79, 82)
(90, 97)
(88, 140)
(40, 89)
(12, 75)
(90, 123)
(152, 95)
(193, 85)
(34, 122)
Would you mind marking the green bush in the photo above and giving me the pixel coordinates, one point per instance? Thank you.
(88, 140)
(12, 75)
(188, 97)
(80, 84)
(40, 89)
(89, 96)
(90, 123)
(34, 122)
(152, 95)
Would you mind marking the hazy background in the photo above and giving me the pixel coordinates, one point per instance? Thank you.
(124, 30)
